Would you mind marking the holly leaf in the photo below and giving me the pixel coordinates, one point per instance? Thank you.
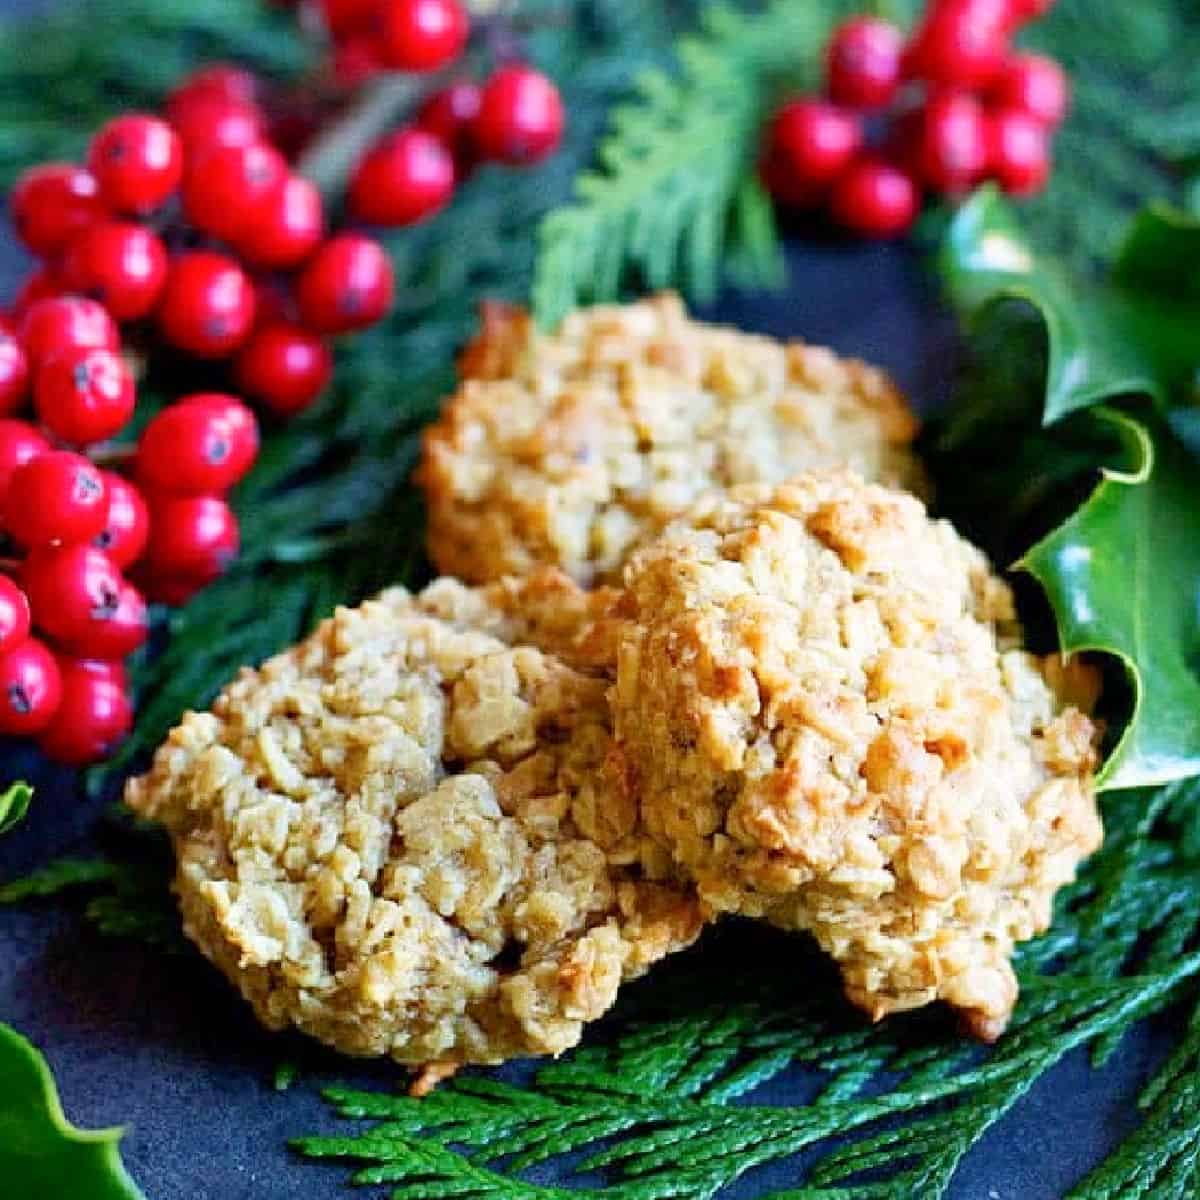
(1135, 335)
(1122, 570)
(1161, 254)
(14, 804)
(42, 1155)
(1123, 576)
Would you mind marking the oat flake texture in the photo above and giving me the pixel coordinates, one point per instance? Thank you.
(405, 836)
(820, 694)
(570, 449)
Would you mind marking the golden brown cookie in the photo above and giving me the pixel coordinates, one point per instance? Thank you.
(569, 449)
(404, 837)
(821, 698)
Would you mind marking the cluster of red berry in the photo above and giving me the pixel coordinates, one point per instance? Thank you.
(191, 233)
(515, 117)
(74, 529)
(370, 36)
(190, 224)
(962, 108)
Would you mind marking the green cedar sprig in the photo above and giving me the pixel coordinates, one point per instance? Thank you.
(667, 1107)
(1140, 891)
(674, 197)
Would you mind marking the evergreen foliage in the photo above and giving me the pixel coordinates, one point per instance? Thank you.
(670, 1104)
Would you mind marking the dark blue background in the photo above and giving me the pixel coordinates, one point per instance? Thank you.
(163, 1046)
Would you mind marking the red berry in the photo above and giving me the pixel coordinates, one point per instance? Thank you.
(520, 118)
(80, 599)
(14, 615)
(1019, 151)
(241, 425)
(206, 121)
(94, 716)
(285, 367)
(207, 307)
(1030, 10)
(102, 668)
(203, 444)
(220, 80)
(124, 266)
(875, 199)
(14, 375)
(952, 153)
(42, 284)
(1035, 84)
(66, 323)
(222, 186)
(50, 204)
(356, 59)
(809, 144)
(450, 115)
(285, 226)
(422, 35)
(30, 689)
(55, 497)
(347, 284)
(344, 17)
(863, 62)
(137, 161)
(20, 442)
(192, 538)
(960, 42)
(406, 177)
(84, 396)
(127, 525)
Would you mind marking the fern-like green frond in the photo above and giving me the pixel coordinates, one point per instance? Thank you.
(674, 191)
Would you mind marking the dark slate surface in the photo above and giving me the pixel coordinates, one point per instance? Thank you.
(164, 1046)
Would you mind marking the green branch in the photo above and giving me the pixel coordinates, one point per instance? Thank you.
(674, 195)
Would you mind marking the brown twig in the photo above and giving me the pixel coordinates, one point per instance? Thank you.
(332, 156)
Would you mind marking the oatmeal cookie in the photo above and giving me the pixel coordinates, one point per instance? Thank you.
(821, 696)
(404, 837)
(568, 449)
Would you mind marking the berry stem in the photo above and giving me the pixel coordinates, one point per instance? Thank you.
(331, 159)
(111, 454)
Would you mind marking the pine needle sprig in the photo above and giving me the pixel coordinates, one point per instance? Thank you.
(674, 191)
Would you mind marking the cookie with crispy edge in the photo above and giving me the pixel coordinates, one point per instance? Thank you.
(405, 837)
(821, 697)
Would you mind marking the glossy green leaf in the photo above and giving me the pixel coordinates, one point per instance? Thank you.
(14, 804)
(1135, 336)
(42, 1155)
(1123, 577)
(1122, 572)
(1162, 254)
